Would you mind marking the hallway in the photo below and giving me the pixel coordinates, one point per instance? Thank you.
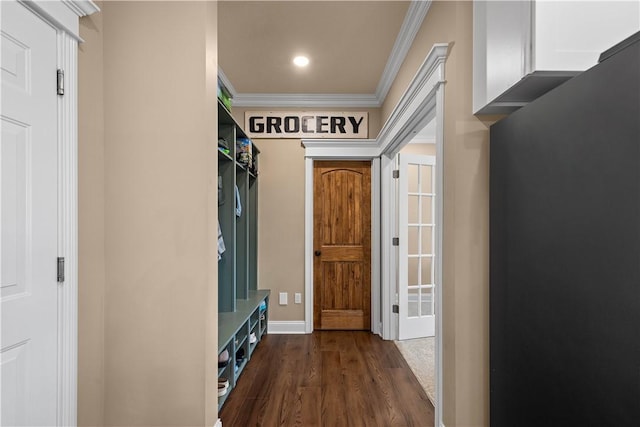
(327, 378)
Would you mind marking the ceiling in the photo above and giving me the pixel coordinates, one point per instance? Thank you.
(355, 49)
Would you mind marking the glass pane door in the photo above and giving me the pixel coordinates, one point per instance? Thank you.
(416, 246)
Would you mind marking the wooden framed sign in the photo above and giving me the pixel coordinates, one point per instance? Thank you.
(308, 124)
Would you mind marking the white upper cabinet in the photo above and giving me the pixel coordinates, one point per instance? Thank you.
(522, 49)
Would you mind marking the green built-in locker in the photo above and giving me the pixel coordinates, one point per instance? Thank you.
(253, 233)
(242, 235)
(226, 218)
(238, 217)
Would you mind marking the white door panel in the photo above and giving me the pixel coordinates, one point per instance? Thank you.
(28, 218)
(416, 252)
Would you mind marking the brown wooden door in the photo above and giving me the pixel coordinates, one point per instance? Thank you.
(342, 245)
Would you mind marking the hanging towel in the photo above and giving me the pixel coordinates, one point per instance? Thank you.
(221, 247)
(238, 204)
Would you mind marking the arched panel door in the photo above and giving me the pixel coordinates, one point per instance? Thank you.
(342, 245)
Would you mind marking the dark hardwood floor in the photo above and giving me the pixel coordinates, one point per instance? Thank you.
(331, 379)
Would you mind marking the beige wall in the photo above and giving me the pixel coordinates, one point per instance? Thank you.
(281, 217)
(148, 326)
(91, 198)
(281, 224)
(147, 200)
(465, 287)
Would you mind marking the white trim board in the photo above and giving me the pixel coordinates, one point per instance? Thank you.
(306, 100)
(68, 231)
(439, 414)
(422, 102)
(413, 19)
(389, 252)
(276, 327)
(410, 26)
(308, 245)
(376, 265)
(63, 14)
(408, 118)
(415, 108)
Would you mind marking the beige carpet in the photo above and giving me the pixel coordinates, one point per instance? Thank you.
(420, 356)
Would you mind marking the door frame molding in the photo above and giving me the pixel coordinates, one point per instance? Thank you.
(347, 151)
(422, 102)
(64, 16)
(344, 153)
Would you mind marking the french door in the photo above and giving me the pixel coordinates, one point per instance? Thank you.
(416, 253)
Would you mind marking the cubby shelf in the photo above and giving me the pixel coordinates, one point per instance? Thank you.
(223, 156)
(234, 330)
(240, 303)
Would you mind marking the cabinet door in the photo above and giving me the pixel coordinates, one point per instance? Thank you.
(523, 49)
(501, 54)
(571, 36)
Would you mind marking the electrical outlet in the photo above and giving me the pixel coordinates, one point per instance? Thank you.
(298, 298)
(283, 298)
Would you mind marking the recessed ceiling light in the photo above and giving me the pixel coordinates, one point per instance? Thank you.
(301, 61)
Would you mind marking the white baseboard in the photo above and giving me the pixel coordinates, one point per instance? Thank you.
(287, 327)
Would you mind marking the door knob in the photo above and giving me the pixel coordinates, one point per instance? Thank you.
(317, 253)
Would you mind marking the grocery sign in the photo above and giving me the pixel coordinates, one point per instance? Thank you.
(308, 125)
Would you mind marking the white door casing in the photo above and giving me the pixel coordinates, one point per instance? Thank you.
(422, 102)
(417, 254)
(38, 177)
(29, 219)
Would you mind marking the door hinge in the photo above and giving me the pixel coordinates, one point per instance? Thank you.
(60, 269)
(60, 90)
(396, 174)
(395, 308)
(395, 241)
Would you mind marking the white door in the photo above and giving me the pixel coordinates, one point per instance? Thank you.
(29, 218)
(417, 257)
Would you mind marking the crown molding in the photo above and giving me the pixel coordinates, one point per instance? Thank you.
(62, 14)
(227, 83)
(82, 7)
(406, 120)
(401, 126)
(410, 26)
(308, 100)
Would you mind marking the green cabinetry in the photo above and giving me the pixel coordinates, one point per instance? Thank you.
(243, 309)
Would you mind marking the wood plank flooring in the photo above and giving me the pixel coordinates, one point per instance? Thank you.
(328, 378)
